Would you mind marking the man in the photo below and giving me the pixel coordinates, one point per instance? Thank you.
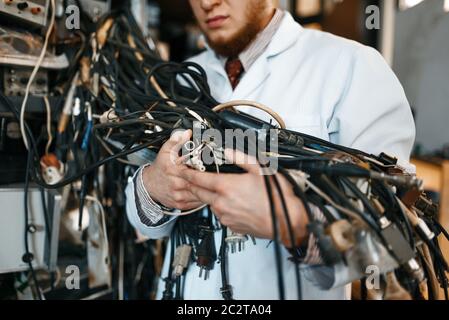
(321, 85)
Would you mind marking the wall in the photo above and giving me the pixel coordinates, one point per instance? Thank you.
(421, 62)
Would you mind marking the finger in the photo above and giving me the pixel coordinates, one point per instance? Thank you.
(177, 140)
(203, 180)
(181, 161)
(204, 195)
(244, 161)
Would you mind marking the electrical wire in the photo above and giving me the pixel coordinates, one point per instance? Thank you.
(50, 136)
(34, 72)
(291, 234)
(226, 288)
(136, 100)
(252, 104)
(28, 257)
(277, 247)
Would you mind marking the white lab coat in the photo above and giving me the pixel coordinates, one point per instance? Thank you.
(321, 85)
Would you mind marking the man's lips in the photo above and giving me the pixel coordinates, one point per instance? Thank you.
(216, 22)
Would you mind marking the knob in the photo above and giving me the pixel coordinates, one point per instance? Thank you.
(22, 6)
(36, 10)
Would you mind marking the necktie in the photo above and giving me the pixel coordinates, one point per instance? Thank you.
(234, 69)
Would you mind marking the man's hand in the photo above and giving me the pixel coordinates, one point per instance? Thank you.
(163, 179)
(241, 203)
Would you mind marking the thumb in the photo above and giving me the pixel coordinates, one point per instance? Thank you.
(177, 139)
(175, 143)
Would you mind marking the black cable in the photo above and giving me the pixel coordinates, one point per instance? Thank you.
(226, 289)
(168, 292)
(28, 258)
(277, 247)
(290, 234)
(93, 167)
(298, 192)
(361, 196)
(393, 203)
(178, 279)
(335, 191)
(46, 216)
(187, 87)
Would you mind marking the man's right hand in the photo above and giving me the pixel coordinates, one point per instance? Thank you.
(163, 180)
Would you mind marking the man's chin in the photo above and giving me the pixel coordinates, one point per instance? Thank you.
(225, 46)
(219, 39)
(229, 43)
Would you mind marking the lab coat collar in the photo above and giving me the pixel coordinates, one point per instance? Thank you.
(285, 37)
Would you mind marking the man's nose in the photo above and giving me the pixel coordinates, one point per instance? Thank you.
(208, 5)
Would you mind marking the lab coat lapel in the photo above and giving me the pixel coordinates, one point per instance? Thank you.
(287, 35)
(254, 78)
(217, 77)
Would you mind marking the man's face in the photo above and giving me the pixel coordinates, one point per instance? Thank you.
(230, 25)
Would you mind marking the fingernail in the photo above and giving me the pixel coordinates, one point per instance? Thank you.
(186, 134)
(178, 135)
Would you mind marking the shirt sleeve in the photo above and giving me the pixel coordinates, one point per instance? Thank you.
(149, 212)
(145, 217)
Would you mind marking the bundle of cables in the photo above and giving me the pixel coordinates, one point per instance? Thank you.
(124, 102)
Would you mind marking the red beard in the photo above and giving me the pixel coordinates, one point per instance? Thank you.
(243, 38)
